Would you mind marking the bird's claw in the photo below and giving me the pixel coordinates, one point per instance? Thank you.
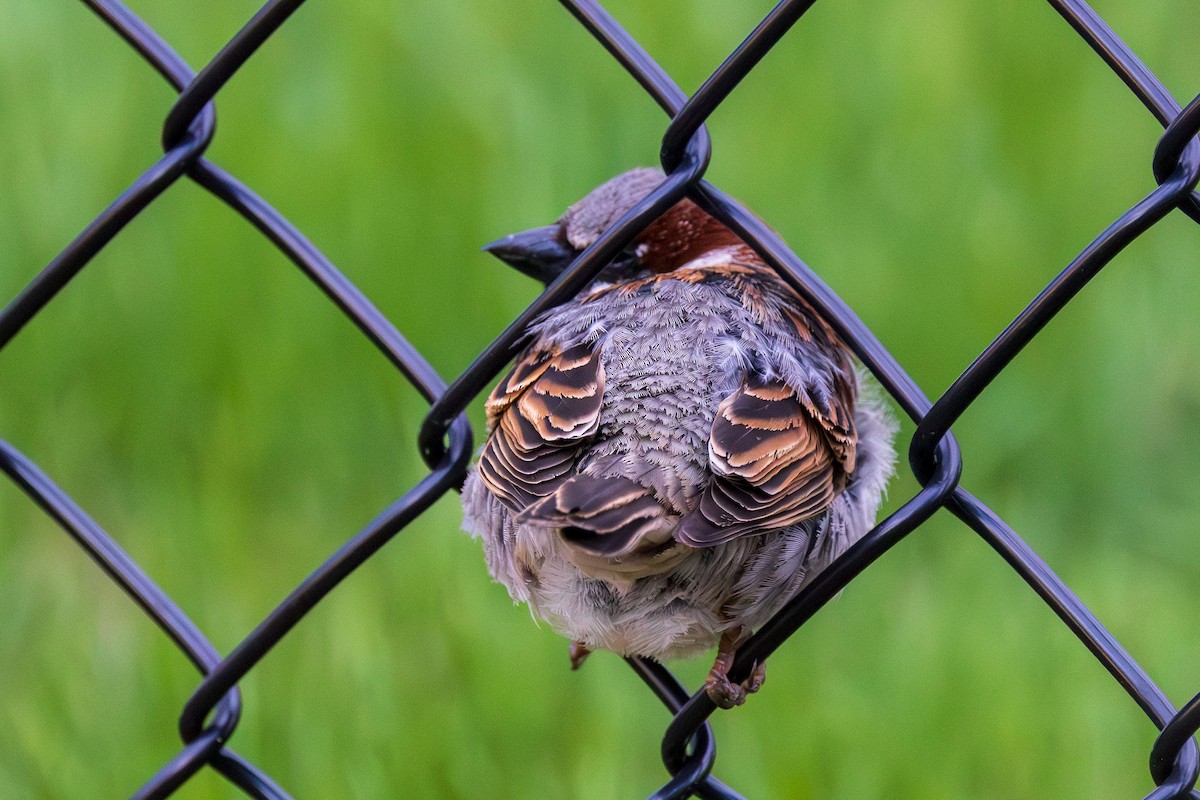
(579, 652)
(724, 692)
(727, 694)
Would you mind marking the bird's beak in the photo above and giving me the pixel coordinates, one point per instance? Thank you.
(539, 253)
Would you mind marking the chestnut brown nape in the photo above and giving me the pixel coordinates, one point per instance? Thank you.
(684, 233)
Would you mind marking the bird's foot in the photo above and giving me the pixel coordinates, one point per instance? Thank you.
(727, 694)
(579, 652)
(724, 692)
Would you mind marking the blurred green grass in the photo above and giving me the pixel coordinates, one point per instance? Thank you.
(937, 164)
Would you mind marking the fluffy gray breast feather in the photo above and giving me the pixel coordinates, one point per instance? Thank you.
(697, 407)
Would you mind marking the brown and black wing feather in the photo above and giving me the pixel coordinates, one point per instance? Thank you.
(540, 416)
(778, 456)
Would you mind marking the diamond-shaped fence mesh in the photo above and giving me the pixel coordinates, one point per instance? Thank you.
(210, 716)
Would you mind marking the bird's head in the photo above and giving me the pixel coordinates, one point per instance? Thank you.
(684, 234)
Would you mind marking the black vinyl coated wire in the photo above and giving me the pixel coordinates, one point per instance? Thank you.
(211, 714)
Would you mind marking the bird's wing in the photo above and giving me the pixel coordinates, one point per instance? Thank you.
(542, 416)
(778, 455)
(539, 416)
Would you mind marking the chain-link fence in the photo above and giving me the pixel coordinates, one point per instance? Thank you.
(212, 712)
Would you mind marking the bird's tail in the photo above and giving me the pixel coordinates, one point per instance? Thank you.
(610, 517)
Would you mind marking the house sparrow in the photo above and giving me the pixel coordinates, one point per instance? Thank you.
(678, 449)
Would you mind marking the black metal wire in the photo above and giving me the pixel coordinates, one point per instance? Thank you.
(210, 716)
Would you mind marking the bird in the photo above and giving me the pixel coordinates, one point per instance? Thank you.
(678, 449)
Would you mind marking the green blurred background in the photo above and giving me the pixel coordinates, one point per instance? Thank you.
(937, 163)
